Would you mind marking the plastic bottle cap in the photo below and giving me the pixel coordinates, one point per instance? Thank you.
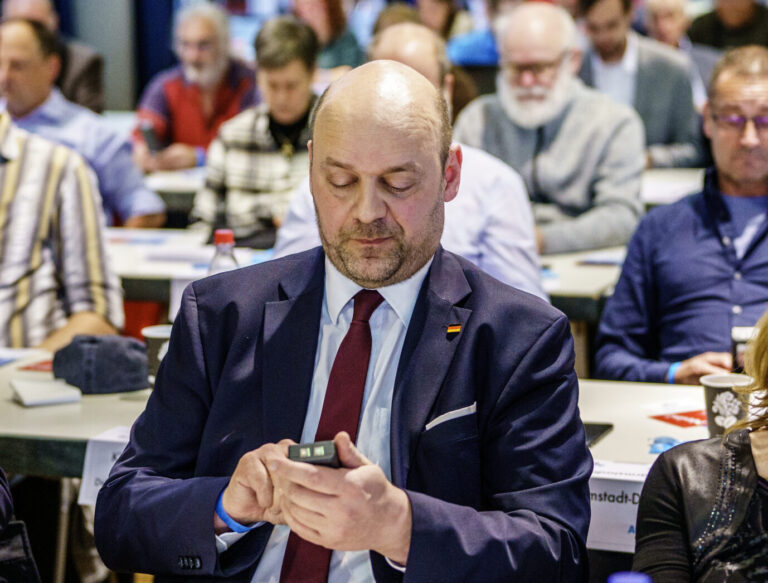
(223, 237)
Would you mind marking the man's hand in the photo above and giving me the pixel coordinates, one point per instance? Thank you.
(176, 157)
(691, 370)
(249, 497)
(346, 509)
(143, 158)
(77, 323)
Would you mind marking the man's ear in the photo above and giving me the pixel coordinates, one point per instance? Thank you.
(574, 61)
(452, 172)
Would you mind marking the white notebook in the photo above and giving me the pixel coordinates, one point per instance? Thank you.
(34, 392)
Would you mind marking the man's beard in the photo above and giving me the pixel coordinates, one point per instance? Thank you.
(375, 266)
(207, 76)
(534, 113)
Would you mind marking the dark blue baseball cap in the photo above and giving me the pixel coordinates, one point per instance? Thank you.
(103, 364)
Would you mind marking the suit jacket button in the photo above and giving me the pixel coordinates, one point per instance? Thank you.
(198, 563)
(181, 562)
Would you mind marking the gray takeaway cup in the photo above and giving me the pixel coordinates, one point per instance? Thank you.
(724, 405)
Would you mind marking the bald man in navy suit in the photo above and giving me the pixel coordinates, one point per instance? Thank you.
(469, 462)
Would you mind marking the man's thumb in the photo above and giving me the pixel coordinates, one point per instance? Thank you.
(349, 455)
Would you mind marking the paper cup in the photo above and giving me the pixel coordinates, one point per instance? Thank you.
(724, 406)
(157, 338)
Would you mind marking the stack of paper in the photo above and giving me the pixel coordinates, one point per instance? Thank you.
(33, 392)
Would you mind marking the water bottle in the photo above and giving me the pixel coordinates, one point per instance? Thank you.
(629, 577)
(224, 258)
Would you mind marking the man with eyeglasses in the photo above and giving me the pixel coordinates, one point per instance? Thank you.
(580, 154)
(182, 108)
(696, 268)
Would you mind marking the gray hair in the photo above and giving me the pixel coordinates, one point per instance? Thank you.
(568, 28)
(749, 62)
(213, 13)
(681, 5)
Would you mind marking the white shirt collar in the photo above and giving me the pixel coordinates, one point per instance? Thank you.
(629, 61)
(401, 297)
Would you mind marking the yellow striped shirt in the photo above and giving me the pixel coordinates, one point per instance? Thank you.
(53, 260)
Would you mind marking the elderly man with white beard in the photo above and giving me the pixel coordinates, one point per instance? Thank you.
(581, 154)
(183, 107)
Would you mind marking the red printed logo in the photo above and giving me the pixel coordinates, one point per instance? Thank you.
(686, 419)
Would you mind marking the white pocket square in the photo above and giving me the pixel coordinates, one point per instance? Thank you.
(455, 414)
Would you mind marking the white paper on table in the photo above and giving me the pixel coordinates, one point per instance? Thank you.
(550, 283)
(614, 495)
(32, 392)
(11, 355)
(674, 406)
(606, 257)
(100, 455)
(19, 352)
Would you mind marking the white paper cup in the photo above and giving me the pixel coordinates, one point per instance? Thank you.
(157, 338)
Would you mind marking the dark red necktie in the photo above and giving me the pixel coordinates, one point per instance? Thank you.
(305, 562)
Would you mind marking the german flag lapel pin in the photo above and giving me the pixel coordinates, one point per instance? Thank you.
(452, 331)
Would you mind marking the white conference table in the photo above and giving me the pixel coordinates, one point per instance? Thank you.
(155, 264)
(668, 185)
(50, 440)
(579, 282)
(629, 407)
(177, 188)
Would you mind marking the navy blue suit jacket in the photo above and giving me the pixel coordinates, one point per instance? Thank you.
(499, 495)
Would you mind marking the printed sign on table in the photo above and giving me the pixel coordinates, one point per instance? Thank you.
(100, 455)
(615, 493)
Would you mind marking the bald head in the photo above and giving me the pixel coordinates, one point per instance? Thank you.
(38, 10)
(414, 45)
(536, 27)
(386, 94)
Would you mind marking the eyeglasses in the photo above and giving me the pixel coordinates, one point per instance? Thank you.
(737, 123)
(540, 70)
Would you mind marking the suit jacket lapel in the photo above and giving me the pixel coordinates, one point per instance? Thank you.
(427, 353)
(291, 327)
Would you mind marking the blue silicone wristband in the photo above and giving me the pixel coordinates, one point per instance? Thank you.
(671, 372)
(233, 525)
(200, 156)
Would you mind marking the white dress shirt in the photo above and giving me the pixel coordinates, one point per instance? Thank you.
(389, 324)
(617, 80)
(490, 223)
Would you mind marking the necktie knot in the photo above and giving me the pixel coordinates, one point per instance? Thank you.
(366, 301)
